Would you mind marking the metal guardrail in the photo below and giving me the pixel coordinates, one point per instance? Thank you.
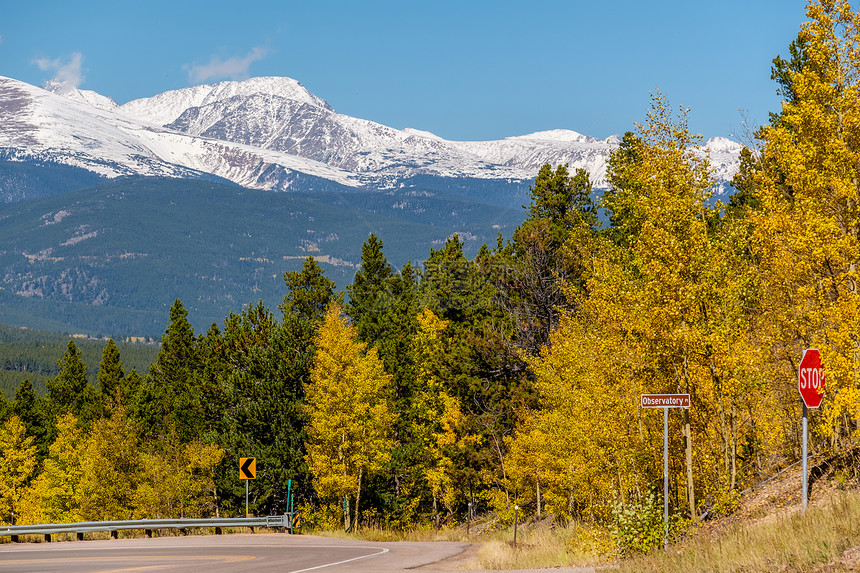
(287, 521)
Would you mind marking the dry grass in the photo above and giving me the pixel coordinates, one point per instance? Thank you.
(542, 545)
(375, 533)
(826, 539)
(819, 540)
(539, 544)
(767, 533)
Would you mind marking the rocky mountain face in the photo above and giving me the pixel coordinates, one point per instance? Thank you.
(272, 133)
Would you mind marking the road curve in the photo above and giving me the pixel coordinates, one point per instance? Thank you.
(242, 553)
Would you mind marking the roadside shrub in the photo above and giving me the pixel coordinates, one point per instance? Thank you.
(638, 526)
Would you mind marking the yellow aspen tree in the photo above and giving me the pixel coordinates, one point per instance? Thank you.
(175, 480)
(109, 468)
(438, 421)
(349, 413)
(17, 464)
(53, 496)
(808, 227)
(668, 250)
(666, 311)
(583, 446)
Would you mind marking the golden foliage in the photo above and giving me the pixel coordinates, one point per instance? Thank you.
(349, 415)
(17, 464)
(807, 234)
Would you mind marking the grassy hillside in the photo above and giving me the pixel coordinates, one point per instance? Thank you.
(110, 260)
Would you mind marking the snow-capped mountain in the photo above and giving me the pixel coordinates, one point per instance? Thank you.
(280, 114)
(267, 132)
(82, 129)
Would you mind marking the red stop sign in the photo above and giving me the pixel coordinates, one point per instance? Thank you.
(810, 379)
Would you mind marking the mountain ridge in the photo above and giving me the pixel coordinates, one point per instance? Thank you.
(244, 131)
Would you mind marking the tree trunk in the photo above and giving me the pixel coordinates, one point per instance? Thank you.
(688, 446)
(357, 496)
(734, 422)
(688, 439)
(538, 498)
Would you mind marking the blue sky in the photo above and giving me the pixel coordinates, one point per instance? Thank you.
(463, 70)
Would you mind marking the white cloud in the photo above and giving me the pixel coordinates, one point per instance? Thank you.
(68, 72)
(233, 68)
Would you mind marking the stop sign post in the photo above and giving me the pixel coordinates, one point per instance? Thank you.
(810, 384)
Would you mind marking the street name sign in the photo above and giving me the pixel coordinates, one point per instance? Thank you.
(665, 400)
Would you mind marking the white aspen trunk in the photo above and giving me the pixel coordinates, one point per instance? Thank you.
(357, 496)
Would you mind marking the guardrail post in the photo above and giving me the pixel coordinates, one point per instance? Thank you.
(113, 534)
(14, 538)
(148, 533)
(217, 531)
(80, 536)
(47, 538)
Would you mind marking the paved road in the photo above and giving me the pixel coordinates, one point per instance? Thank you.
(234, 553)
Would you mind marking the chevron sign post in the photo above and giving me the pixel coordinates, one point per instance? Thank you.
(247, 471)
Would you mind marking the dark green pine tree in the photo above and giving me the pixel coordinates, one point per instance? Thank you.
(389, 321)
(397, 327)
(34, 413)
(369, 293)
(783, 71)
(261, 382)
(457, 290)
(622, 176)
(556, 195)
(544, 258)
(383, 306)
(170, 398)
(310, 292)
(69, 391)
(451, 285)
(111, 375)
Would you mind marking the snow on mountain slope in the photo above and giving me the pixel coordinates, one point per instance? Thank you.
(243, 164)
(74, 129)
(558, 147)
(166, 107)
(724, 155)
(279, 122)
(86, 96)
(45, 125)
(262, 131)
(279, 116)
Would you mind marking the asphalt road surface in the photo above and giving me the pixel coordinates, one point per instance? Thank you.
(234, 553)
